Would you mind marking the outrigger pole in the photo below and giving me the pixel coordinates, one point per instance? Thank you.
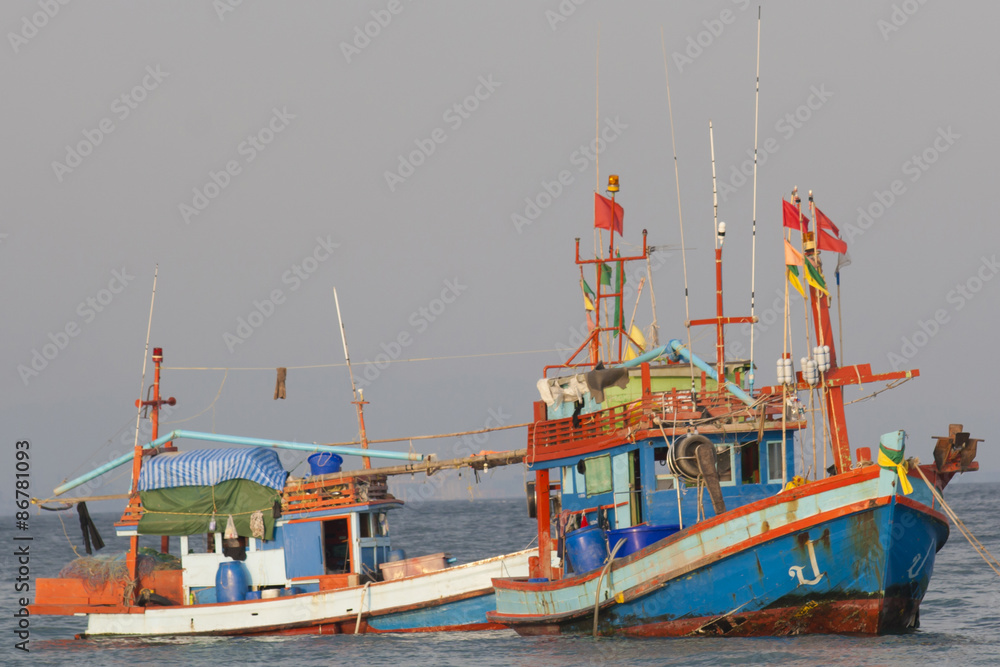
(239, 440)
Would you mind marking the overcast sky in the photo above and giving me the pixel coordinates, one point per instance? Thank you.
(263, 153)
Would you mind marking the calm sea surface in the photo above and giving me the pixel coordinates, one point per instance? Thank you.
(960, 617)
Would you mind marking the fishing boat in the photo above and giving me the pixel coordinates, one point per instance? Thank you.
(262, 552)
(671, 491)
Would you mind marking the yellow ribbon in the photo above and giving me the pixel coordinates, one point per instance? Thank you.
(887, 463)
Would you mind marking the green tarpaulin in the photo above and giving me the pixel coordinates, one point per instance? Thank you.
(188, 510)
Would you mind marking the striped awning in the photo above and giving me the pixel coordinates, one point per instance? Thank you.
(208, 467)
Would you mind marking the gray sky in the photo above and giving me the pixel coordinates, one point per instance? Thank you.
(278, 148)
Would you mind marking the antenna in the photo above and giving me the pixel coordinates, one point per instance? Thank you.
(753, 233)
(359, 397)
(677, 182)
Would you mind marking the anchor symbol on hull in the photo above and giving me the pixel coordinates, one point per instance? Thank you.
(918, 562)
(796, 570)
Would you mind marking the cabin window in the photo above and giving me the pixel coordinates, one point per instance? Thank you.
(364, 525)
(750, 463)
(774, 461)
(724, 464)
(665, 482)
(597, 473)
(567, 479)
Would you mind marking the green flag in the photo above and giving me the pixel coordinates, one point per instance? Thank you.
(586, 290)
(619, 285)
(605, 274)
(815, 278)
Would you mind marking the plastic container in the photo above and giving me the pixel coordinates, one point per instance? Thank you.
(638, 537)
(413, 566)
(586, 549)
(396, 555)
(231, 582)
(324, 463)
(253, 595)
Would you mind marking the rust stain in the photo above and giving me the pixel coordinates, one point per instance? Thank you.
(764, 527)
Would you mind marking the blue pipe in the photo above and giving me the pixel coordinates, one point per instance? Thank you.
(681, 351)
(238, 440)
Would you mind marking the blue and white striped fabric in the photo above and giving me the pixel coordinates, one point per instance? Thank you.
(208, 467)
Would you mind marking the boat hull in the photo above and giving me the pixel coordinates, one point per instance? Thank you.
(454, 599)
(841, 560)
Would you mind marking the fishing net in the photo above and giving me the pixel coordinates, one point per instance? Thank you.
(98, 571)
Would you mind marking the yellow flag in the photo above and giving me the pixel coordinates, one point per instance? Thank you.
(587, 303)
(793, 261)
(635, 349)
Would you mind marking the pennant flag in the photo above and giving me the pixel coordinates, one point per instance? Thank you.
(794, 219)
(603, 215)
(827, 241)
(638, 344)
(815, 278)
(793, 260)
(824, 222)
(605, 274)
(842, 261)
(588, 295)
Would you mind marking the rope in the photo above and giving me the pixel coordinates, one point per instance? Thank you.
(363, 363)
(966, 533)
(607, 566)
(361, 607)
(210, 405)
(430, 437)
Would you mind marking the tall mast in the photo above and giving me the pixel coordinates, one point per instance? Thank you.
(720, 237)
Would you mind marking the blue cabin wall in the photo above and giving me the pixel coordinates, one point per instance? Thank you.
(659, 507)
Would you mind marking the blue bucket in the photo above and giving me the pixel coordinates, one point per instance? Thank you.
(324, 463)
(586, 549)
(231, 582)
(396, 555)
(638, 537)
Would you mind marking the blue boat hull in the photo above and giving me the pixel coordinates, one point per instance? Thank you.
(862, 568)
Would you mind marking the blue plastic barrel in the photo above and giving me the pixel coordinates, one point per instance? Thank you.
(324, 463)
(231, 582)
(253, 595)
(396, 555)
(638, 537)
(586, 549)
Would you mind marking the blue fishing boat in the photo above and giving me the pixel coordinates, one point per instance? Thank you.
(668, 493)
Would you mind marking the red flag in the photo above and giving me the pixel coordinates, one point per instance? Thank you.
(603, 217)
(825, 240)
(792, 217)
(824, 222)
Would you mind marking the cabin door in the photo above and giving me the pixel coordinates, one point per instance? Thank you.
(627, 496)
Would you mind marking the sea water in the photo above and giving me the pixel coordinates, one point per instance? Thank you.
(959, 618)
